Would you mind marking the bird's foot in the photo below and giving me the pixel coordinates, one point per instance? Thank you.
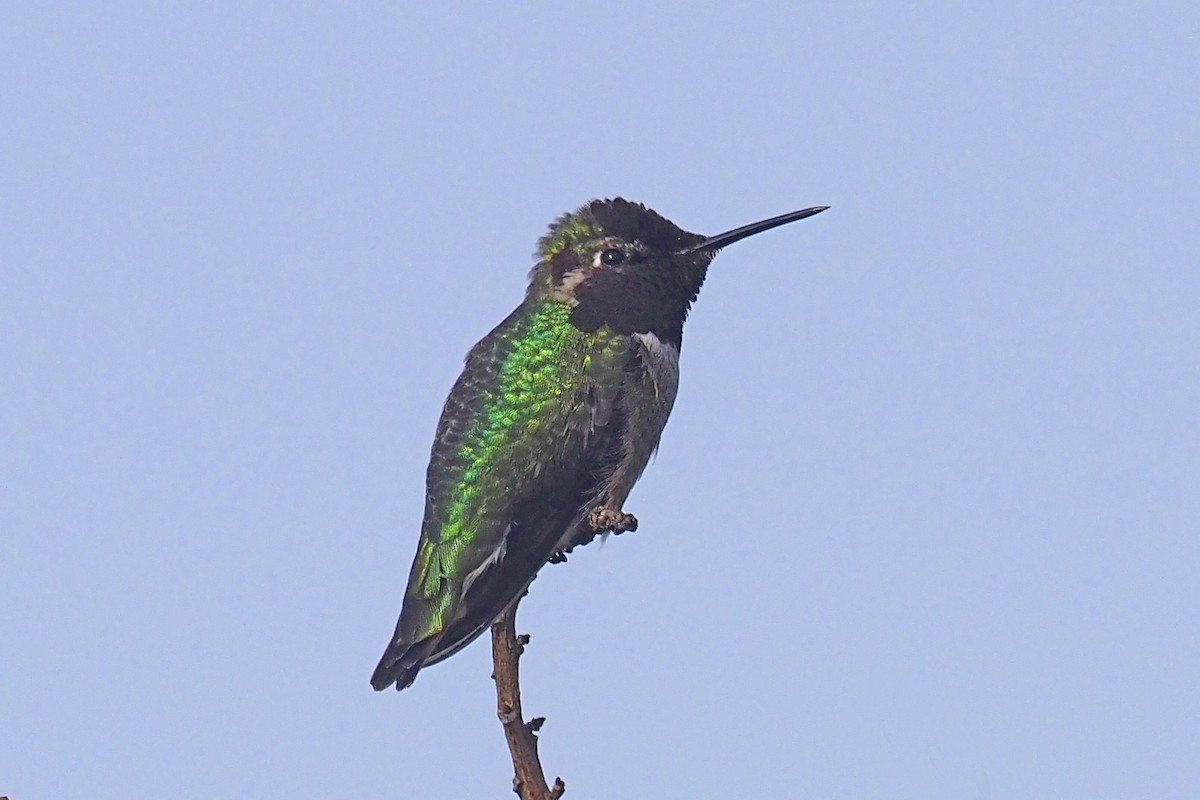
(604, 519)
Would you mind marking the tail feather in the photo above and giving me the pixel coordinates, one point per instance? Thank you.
(402, 661)
(400, 664)
(535, 537)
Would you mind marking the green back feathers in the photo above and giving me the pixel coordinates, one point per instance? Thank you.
(501, 433)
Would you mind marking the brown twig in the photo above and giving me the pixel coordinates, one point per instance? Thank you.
(529, 781)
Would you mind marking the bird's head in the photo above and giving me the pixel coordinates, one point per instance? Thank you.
(622, 265)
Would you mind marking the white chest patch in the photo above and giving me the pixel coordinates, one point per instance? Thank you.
(662, 362)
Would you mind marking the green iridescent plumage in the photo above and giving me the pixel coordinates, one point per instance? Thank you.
(549, 426)
(523, 390)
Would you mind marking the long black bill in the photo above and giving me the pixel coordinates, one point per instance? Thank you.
(737, 234)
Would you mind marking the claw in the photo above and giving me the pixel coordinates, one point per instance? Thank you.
(604, 519)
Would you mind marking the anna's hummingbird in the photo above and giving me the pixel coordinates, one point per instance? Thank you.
(552, 420)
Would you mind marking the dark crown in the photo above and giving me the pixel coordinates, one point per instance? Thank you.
(632, 222)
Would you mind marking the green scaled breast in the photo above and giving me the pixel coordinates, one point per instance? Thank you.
(530, 410)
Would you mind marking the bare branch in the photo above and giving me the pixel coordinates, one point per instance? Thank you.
(529, 781)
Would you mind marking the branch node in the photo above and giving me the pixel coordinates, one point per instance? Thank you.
(507, 713)
(529, 780)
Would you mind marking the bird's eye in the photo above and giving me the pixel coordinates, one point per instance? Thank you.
(611, 257)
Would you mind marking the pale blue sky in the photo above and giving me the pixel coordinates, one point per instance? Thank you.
(924, 523)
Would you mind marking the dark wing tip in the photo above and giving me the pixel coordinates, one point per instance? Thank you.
(400, 664)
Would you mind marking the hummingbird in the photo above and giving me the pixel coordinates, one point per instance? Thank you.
(552, 421)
